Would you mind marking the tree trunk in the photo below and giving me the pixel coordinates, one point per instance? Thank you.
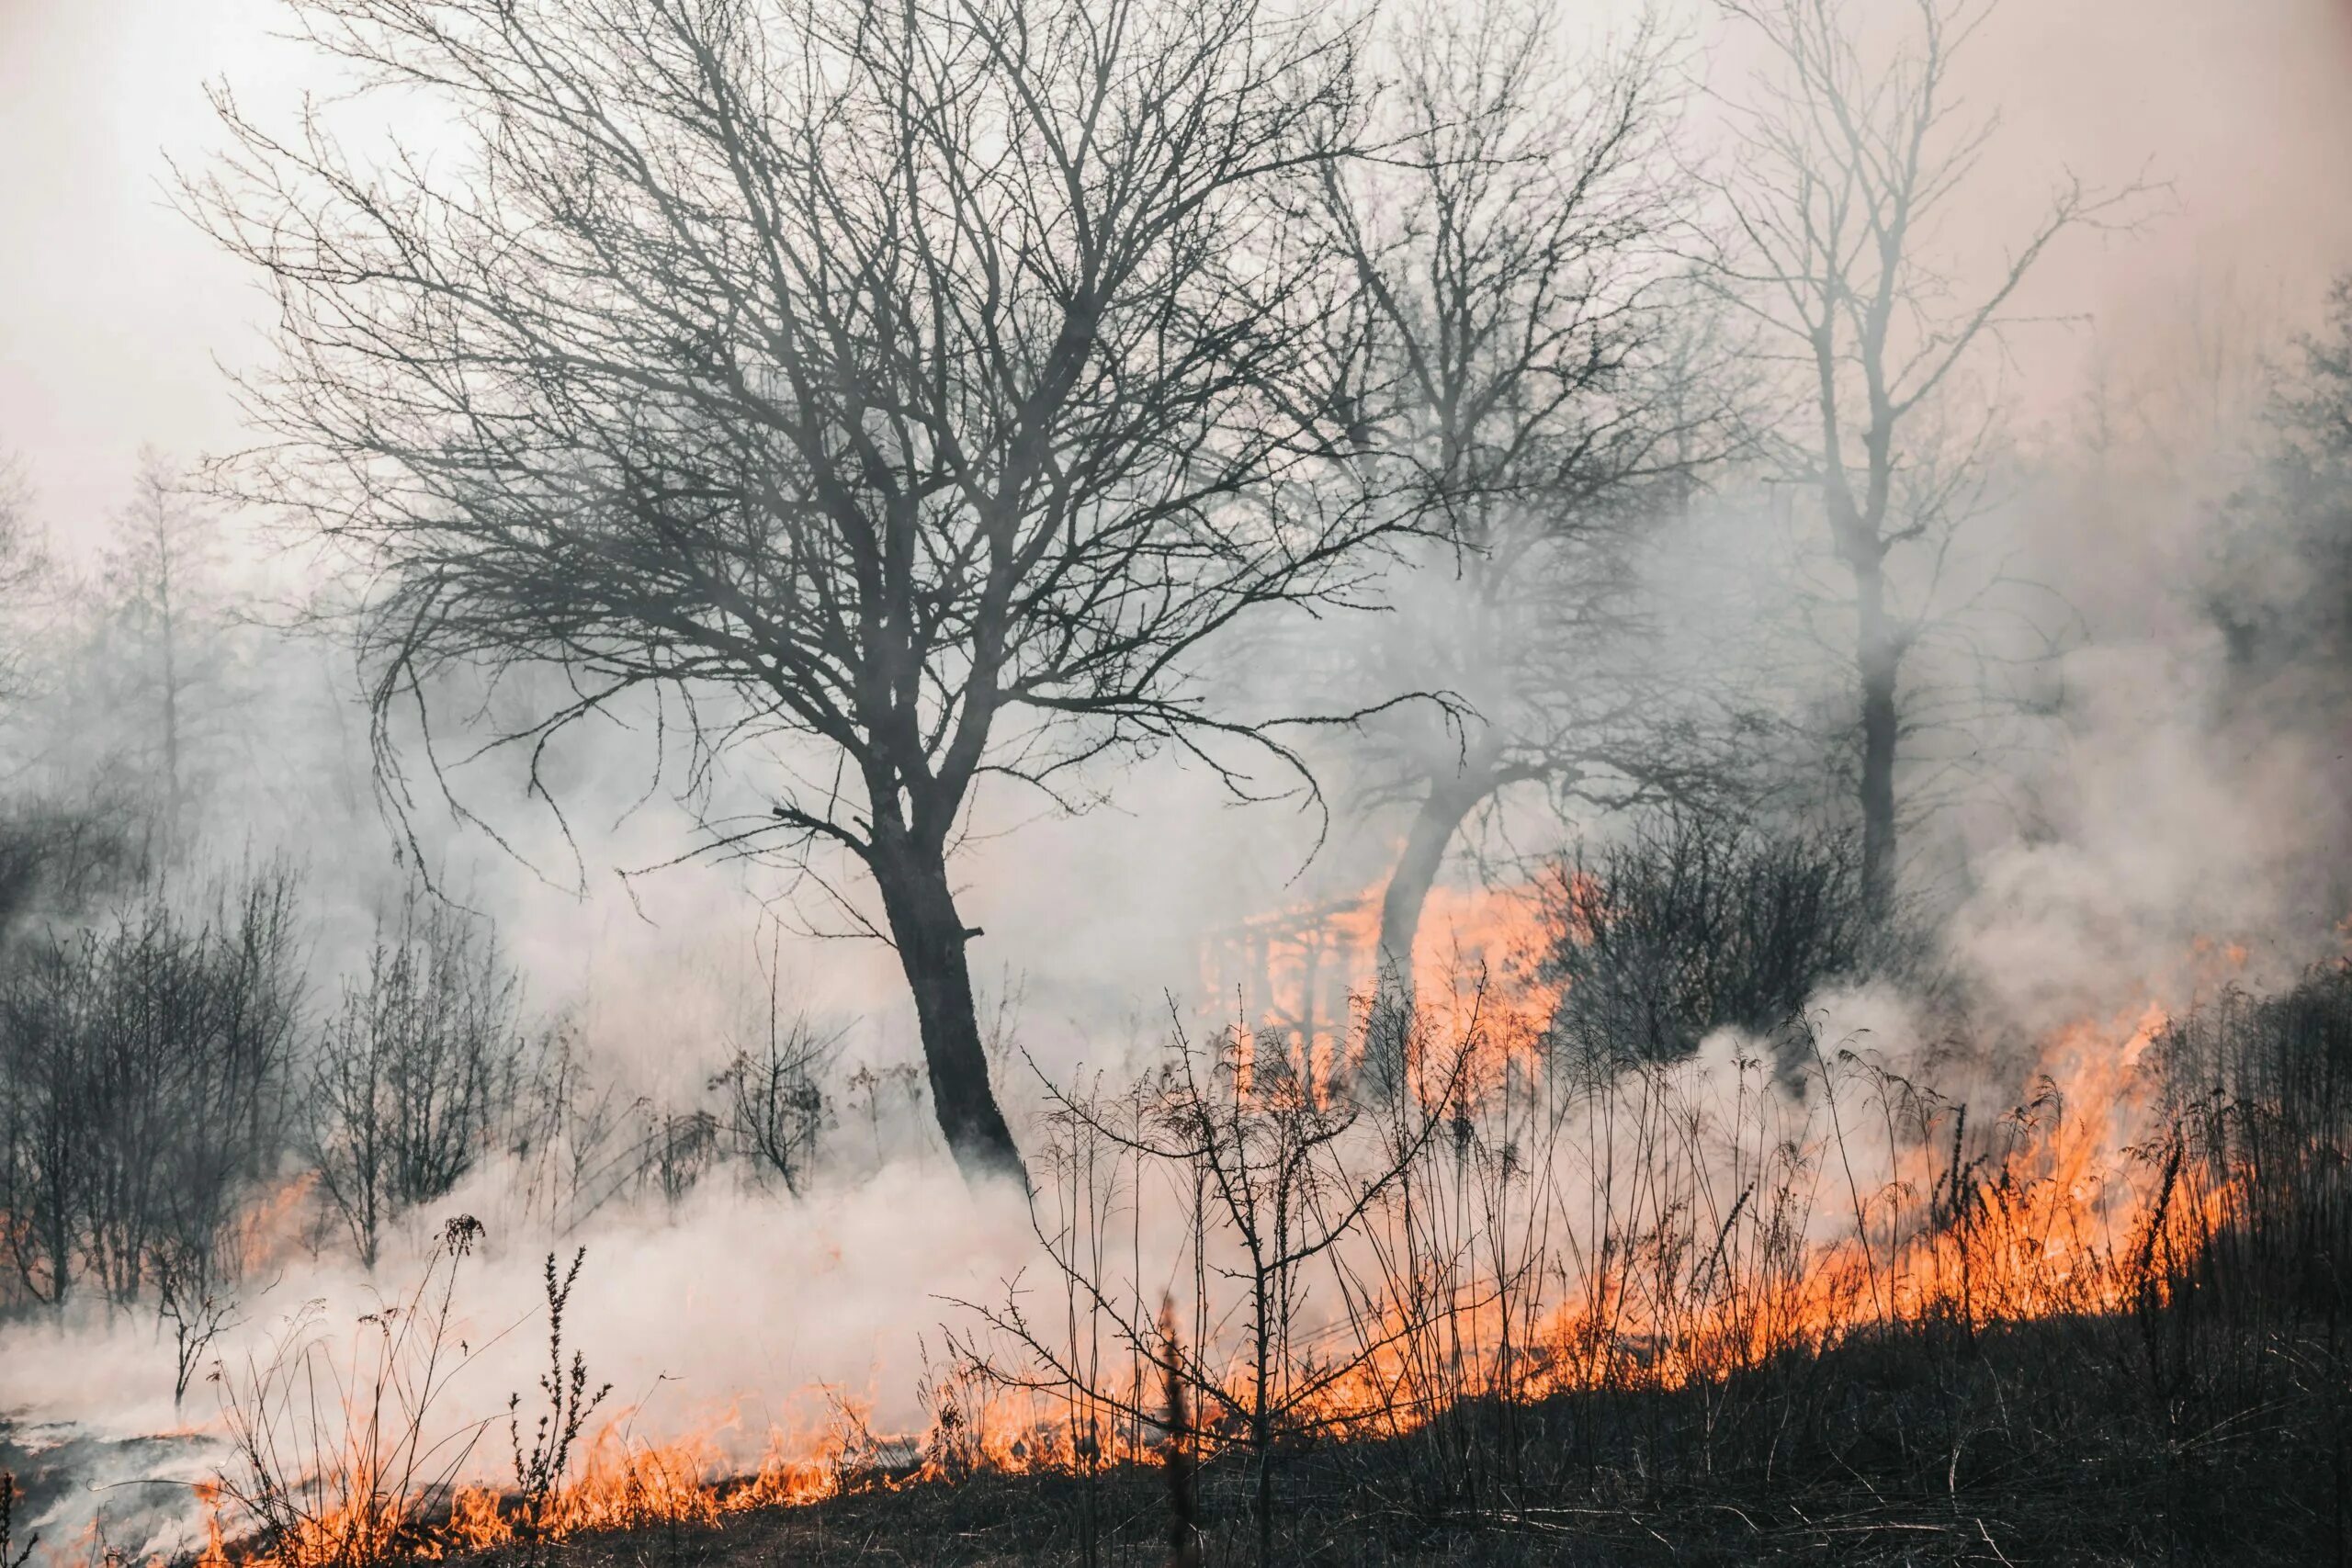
(1408, 893)
(1262, 1436)
(1877, 658)
(930, 936)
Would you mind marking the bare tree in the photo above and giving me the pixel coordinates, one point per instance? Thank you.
(775, 1106)
(912, 389)
(144, 1082)
(24, 567)
(169, 661)
(1851, 162)
(1507, 226)
(2280, 584)
(416, 1080)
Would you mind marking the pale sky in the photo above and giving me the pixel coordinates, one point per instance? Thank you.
(113, 309)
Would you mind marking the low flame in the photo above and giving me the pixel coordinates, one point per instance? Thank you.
(1735, 1210)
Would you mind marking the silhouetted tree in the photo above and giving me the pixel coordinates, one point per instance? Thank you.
(145, 665)
(1523, 400)
(24, 570)
(1851, 162)
(921, 387)
(2281, 587)
(414, 1082)
(144, 1068)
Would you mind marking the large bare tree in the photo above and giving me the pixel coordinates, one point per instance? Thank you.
(909, 389)
(1522, 401)
(1854, 156)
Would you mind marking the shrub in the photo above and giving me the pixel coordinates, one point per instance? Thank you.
(1695, 922)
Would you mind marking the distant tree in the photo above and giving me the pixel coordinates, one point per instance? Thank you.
(145, 1077)
(165, 647)
(414, 1082)
(2281, 585)
(1523, 399)
(25, 572)
(67, 840)
(1851, 163)
(65, 853)
(917, 388)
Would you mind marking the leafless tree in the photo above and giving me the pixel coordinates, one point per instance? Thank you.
(1852, 160)
(169, 658)
(1274, 1174)
(2280, 584)
(774, 1107)
(916, 388)
(414, 1082)
(1521, 399)
(62, 853)
(24, 568)
(194, 1281)
(144, 1080)
(48, 1134)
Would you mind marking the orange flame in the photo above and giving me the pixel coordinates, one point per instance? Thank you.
(1764, 1220)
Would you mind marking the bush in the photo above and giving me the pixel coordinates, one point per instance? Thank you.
(774, 1104)
(416, 1078)
(143, 1076)
(1694, 923)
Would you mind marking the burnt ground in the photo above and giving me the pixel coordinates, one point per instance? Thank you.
(96, 1492)
(2062, 1443)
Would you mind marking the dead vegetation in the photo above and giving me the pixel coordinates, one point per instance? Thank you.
(1404, 1343)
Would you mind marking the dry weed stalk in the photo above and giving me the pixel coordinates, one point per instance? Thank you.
(11, 1555)
(343, 1469)
(539, 1472)
(1183, 1508)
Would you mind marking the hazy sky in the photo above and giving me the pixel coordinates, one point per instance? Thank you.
(112, 310)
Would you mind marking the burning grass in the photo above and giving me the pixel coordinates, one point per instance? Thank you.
(1756, 1304)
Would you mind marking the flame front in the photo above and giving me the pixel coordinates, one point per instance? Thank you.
(1649, 1226)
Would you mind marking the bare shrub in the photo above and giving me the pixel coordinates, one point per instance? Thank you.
(774, 1102)
(1272, 1171)
(1693, 923)
(143, 1085)
(569, 1135)
(416, 1079)
(678, 1151)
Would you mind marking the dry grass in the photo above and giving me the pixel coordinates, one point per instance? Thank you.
(1596, 1318)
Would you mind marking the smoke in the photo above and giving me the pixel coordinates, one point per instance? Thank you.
(730, 1316)
(2150, 827)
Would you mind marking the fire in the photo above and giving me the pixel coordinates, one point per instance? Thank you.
(1305, 976)
(1725, 1209)
(2065, 1209)
(624, 1483)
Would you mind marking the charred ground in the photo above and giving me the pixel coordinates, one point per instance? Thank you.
(2054, 1442)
